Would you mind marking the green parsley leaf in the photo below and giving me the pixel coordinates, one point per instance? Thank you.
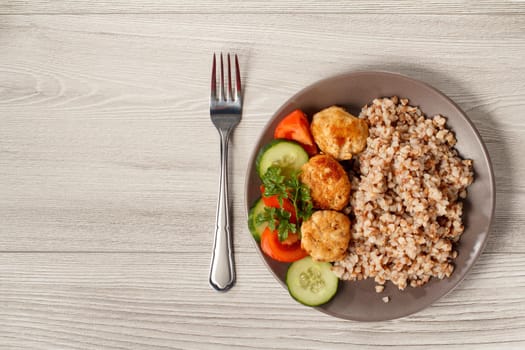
(291, 188)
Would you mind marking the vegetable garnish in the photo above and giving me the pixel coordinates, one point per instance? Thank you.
(276, 202)
(277, 219)
(295, 126)
(285, 189)
(278, 250)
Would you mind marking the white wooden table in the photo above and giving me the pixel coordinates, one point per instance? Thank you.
(109, 166)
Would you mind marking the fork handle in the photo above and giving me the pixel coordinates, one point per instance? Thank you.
(222, 274)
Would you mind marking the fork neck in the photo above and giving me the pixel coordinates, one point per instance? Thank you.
(225, 133)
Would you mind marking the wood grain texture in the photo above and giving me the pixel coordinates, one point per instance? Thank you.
(469, 7)
(109, 165)
(160, 301)
(106, 143)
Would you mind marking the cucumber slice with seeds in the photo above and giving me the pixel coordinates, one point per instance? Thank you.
(287, 155)
(310, 282)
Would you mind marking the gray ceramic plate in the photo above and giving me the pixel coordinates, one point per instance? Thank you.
(358, 300)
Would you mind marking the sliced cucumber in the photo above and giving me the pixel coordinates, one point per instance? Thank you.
(310, 282)
(255, 229)
(287, 155)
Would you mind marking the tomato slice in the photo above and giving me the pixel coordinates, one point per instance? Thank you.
(295, 126)
(273, 202)
(291, 239)
(276, 250)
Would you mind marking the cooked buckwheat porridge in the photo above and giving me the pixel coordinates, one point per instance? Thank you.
(406, 198)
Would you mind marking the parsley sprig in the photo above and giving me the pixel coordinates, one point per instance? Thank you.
(290, 188)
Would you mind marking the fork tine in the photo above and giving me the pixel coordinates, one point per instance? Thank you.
(213, 95)
(222, 96)
(238, 90)
(229, 87)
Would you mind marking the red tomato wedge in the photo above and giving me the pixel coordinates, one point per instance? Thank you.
(276, 250)
(295, 126)
(273, 202)
(291, 239)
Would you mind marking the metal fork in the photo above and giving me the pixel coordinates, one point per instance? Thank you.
(225, 113)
